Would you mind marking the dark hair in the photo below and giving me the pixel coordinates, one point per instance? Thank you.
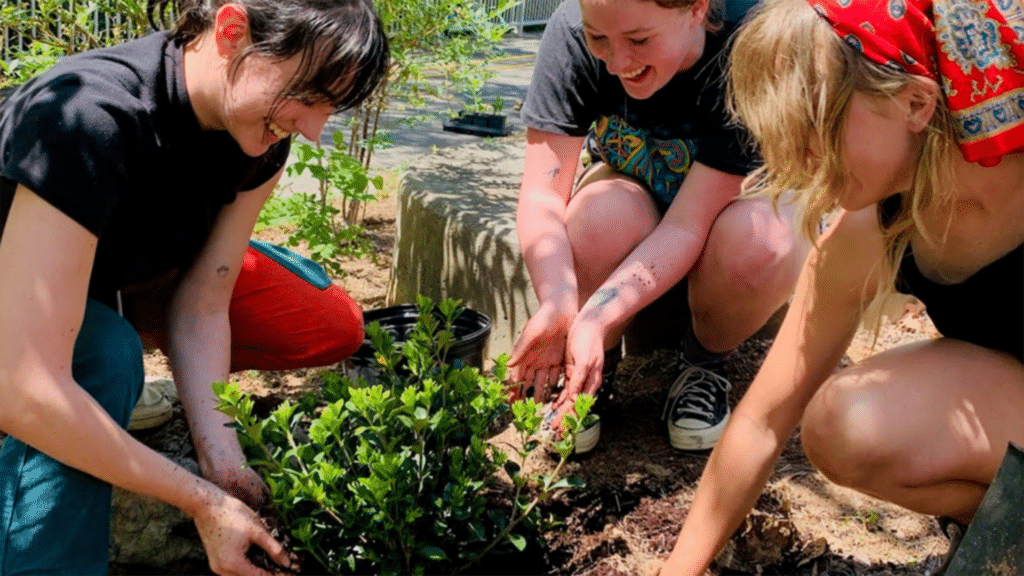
(344, 51)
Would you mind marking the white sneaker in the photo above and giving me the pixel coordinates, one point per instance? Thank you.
(154, 408)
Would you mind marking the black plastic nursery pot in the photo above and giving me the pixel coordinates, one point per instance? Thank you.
(994, 541)
(478, 124)
(470, 331)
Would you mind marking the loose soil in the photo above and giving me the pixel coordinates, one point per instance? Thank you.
(638, 489)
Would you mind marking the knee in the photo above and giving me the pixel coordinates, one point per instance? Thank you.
(337, 333)
(754, 249)
(107, 360)
(753, 266)
(344, 324)
(603, 218)
(844, 432)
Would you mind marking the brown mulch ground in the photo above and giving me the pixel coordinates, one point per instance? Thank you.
(638, 489)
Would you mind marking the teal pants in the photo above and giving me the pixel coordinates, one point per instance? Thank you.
(285, 313)
(55, 519)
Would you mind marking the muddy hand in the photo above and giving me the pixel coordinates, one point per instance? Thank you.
(228, 527)
(226, 468)
(244, 484)
(538, 355)
(584, 362)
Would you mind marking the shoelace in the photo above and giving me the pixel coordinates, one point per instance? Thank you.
(695, 393)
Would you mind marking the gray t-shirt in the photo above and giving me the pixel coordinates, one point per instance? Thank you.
(655, 140)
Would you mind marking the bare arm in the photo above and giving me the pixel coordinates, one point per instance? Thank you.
(43, 303)
(664, 257)
(46, 259)
(654, 266)
(200, 343)
(822, 319)
(548, 174)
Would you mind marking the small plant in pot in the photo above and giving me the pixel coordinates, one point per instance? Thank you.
(474, 119)
(397, 476)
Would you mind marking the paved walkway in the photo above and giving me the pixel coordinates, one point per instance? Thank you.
(513, 72)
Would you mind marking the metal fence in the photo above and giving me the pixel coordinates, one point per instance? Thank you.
(527, 12)
(100, 25)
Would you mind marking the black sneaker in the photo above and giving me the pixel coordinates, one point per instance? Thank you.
(697, 409)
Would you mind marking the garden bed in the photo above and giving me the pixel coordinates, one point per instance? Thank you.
(638, 489)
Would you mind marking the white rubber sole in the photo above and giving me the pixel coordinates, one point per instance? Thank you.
(587, 439)
(686, 439)
(152, 410)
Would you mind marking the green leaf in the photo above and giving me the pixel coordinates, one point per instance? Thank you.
(318, 172)
(433, 553)
(518, 541)
(512, 469)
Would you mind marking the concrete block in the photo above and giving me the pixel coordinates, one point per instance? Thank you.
(456, 236)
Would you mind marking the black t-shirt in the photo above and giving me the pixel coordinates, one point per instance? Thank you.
(986, 309)
(109, 138)
(654, 140)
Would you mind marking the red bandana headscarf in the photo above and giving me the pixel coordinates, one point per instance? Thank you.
(974, 49)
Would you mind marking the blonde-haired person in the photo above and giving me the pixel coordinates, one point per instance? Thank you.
(907, 116)
(640, 84)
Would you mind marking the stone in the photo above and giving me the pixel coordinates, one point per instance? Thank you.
(145, 531)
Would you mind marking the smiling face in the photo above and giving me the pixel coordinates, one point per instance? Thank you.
(256, 115)
(250, 94)
(642, 43)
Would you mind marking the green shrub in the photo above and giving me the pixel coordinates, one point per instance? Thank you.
(396, 476)
(331, 233)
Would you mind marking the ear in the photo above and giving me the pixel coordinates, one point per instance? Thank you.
(231, 29)
(699, 11)
(921, 97)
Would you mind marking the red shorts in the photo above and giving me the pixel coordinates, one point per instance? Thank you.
(285, 314)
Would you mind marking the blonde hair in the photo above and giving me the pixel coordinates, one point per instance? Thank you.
(791, 79)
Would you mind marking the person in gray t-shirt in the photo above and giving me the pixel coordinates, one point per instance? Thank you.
(640, 85)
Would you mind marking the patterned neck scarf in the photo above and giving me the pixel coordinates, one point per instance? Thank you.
(974, 49)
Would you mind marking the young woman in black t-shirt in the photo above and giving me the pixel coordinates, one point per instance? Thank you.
(130, 181)
(640, 84)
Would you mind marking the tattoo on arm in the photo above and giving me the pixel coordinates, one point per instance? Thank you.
(553, 173)
(602, 297)
(223, 270)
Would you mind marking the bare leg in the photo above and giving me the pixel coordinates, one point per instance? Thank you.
(924, 426)
(747, 271)
(609, 215)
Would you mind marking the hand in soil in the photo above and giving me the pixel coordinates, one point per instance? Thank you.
(228, 528)
(261, 559)
(584, 360)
